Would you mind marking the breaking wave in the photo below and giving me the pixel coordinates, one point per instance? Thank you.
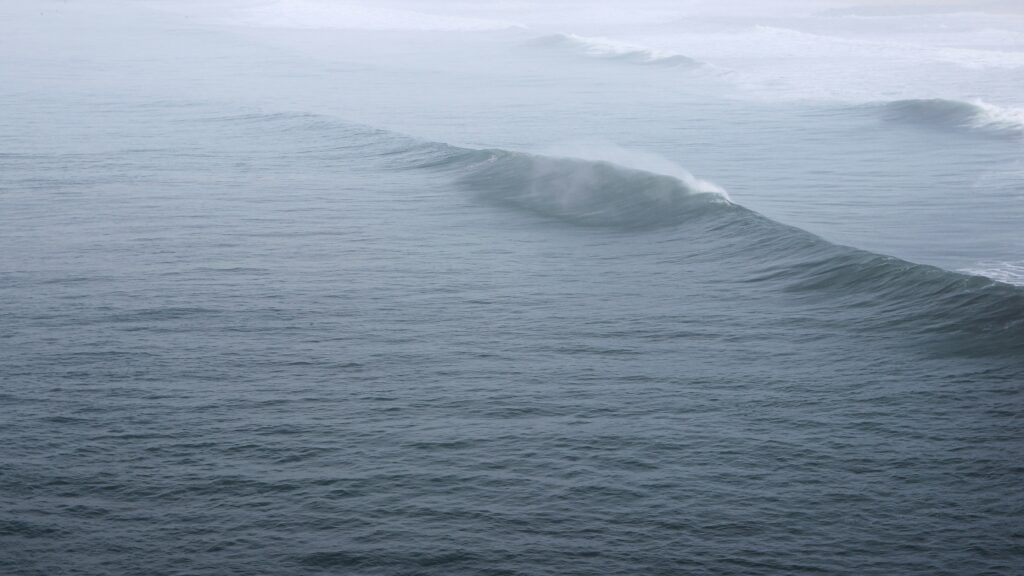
(960, 115)
(608, 49)
(1009, 272)
(868, 293)
(588, 192)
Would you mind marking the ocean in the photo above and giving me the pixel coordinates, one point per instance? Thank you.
(314, 287)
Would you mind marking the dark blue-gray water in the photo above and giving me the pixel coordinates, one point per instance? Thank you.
(257, 332)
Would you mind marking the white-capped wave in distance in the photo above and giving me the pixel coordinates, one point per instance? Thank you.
(607, 48)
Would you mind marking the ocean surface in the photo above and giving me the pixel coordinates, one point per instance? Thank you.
(311, 287)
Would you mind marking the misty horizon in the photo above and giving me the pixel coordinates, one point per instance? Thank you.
(517, 287)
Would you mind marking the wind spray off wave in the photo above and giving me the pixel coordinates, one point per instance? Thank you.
(976, 115)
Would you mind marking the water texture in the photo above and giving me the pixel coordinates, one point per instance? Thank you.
(287, 288)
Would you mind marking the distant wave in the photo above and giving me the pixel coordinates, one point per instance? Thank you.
(613, 50)
(956, 114)
(873, 294)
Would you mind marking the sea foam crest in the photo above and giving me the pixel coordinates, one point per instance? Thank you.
(971, 115)
(1008, 272)
(614, 50)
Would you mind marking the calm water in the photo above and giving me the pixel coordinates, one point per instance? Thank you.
(295, 300)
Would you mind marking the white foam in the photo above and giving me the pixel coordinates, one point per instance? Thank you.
(608, 48)
(825, 59)
(980, 59)
(998, 117)
(1009, 272)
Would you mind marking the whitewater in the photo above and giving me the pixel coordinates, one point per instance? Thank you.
(341, 287)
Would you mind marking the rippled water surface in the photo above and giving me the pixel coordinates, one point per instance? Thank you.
(441, 299)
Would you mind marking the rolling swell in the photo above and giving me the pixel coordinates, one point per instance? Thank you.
(868, 293)
(876, 294)
(863, 292)
(974, 116)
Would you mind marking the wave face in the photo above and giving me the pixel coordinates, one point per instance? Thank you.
(957, 314)
(955, 114)
(871, 294)
(595, 193)
(864, 292)
(608, 49)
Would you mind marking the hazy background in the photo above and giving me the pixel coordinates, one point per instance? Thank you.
(452, 72)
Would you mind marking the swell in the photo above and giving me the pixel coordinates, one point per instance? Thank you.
(974, 116)
(858, 290)
(867, 292)
(607, 49)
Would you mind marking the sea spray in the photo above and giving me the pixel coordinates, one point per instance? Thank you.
(637, 159)
(973, 115)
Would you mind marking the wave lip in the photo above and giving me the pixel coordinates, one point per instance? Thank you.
(975, 115)
(608, 49)
(590, 192)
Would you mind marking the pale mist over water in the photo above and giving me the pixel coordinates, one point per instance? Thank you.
(511, 287)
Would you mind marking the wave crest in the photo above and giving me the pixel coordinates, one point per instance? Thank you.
(867, 293)
(956, 114)
(588, 192)
(1008, 272)
(608, 49)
